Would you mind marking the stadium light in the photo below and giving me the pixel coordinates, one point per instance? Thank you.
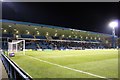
(17, 36)
(63, 35)
(99, 38)
(55, 34)
(14, 29)
(17, 32)
(28, 32)
(35, 28)
(91, 37)
(95, 38)
(10, 26)
(47, 33)
(69, 36)
(81, 37)
(38, 33)
(75, 36)
(5, 31)
(113, 25)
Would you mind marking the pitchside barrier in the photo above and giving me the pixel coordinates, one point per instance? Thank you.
(13, 71)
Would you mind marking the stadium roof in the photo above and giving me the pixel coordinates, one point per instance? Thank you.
(33, 24)
(49, 26)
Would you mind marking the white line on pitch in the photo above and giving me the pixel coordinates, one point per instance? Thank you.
(80, 71)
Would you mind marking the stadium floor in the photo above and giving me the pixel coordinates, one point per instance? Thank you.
(3, 74)
(69, 64)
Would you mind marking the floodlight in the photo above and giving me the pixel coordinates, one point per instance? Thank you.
(113, 24)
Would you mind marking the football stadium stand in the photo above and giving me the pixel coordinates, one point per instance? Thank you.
(119, 42)
(39, 36)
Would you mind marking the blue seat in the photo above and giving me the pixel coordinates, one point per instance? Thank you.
(26, 36)
(40, 37)
(7, 35)
(31, 46)
(64, 38)
(53, 37)
(76, 39)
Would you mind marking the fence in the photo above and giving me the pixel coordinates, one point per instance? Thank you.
(13, 71)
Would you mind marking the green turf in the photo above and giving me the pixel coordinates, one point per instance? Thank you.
(100, 62)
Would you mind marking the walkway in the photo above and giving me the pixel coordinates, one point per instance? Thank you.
(3, 74)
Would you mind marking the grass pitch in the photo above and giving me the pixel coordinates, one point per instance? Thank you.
(40, 64)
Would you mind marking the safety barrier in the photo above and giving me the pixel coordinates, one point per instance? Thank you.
(13, 71)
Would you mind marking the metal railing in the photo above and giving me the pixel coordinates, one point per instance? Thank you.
(13, 71)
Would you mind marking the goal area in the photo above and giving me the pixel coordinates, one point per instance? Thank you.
(16, 45)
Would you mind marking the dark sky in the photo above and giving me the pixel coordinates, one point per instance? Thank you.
(77, 15)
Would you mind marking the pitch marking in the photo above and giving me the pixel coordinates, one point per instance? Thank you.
(80, 71)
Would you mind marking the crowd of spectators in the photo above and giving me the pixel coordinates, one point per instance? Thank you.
(60, 45)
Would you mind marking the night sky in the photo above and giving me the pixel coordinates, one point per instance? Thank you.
(77, 15)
